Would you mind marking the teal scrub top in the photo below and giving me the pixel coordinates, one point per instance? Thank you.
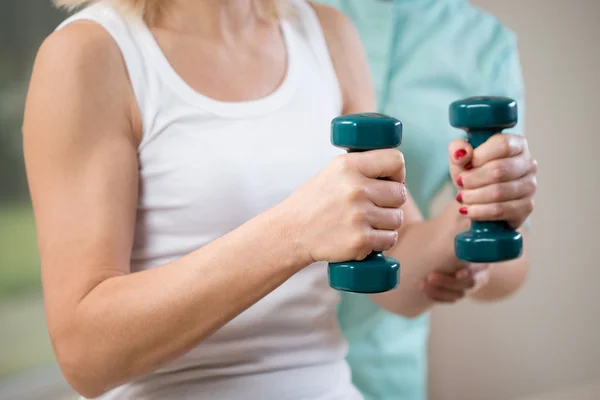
(423, 55)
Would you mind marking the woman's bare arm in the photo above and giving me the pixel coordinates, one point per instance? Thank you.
(107, 325)
(505, 278)
(423, 246)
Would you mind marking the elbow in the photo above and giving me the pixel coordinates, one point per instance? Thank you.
(85, 389)
(82, 367)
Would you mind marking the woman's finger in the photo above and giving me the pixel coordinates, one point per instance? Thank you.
(460, 153)
(497, 171)
(384, 193)
(384, 218)
(382, 163)
(497, 147)
(441, 295)
(454, 282)
(474, 268)
(377, 240)
(515, 212)
(500, 192)
(481, 279)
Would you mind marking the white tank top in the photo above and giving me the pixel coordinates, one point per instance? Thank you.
(207, 167)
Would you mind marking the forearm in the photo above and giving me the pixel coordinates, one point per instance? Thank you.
(136, 322)
(423, 247)
(428, 246)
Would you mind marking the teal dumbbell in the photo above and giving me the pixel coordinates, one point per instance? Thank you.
(355, 133)
(481, 118)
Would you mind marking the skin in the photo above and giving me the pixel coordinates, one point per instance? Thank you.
(497, 179)
(433, 274)
(81, 132)
(486, 282)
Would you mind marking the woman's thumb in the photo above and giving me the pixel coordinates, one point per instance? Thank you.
(460, 153)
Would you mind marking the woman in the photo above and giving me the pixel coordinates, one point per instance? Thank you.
(187, 197)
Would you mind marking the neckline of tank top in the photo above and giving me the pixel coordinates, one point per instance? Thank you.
(264, 105)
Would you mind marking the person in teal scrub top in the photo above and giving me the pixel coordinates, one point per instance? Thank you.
(423, 55)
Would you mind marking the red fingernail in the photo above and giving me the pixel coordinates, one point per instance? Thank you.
(463, 210)
(460, 153)
(459, 181)
(469, 166)
(459, 197)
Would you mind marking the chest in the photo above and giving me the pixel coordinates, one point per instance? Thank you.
(249, 68)
(207, 175)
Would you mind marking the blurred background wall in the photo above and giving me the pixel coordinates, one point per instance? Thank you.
(24, 345)
(545, 339)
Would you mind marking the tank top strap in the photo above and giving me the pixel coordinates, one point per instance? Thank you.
(306, 22)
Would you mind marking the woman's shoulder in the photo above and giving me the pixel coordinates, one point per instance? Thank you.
(81, 44)
(84, 53)
(80, 68)
(338, 29)
(96, 35)
(348, 57)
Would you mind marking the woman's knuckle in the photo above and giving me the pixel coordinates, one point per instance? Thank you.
(355, 192)
(521, 144)
(343, 163)
(399, 158)
(532, 185)
(357, 217)
(403, 193)
(496, 193)
(397, 218)
(529, 206)
(399, 193)
(505, 145)
(360, 242)
(533, 166)
(498, 171)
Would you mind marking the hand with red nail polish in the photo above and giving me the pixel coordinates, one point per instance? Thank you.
(496, 181)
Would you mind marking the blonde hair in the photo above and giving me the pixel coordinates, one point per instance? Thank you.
(150, 9)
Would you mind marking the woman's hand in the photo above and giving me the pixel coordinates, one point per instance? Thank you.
(444, 287)
(496, 181)
(346, 212)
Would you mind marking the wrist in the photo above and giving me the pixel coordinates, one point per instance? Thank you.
(447, 225)
(286, 237)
